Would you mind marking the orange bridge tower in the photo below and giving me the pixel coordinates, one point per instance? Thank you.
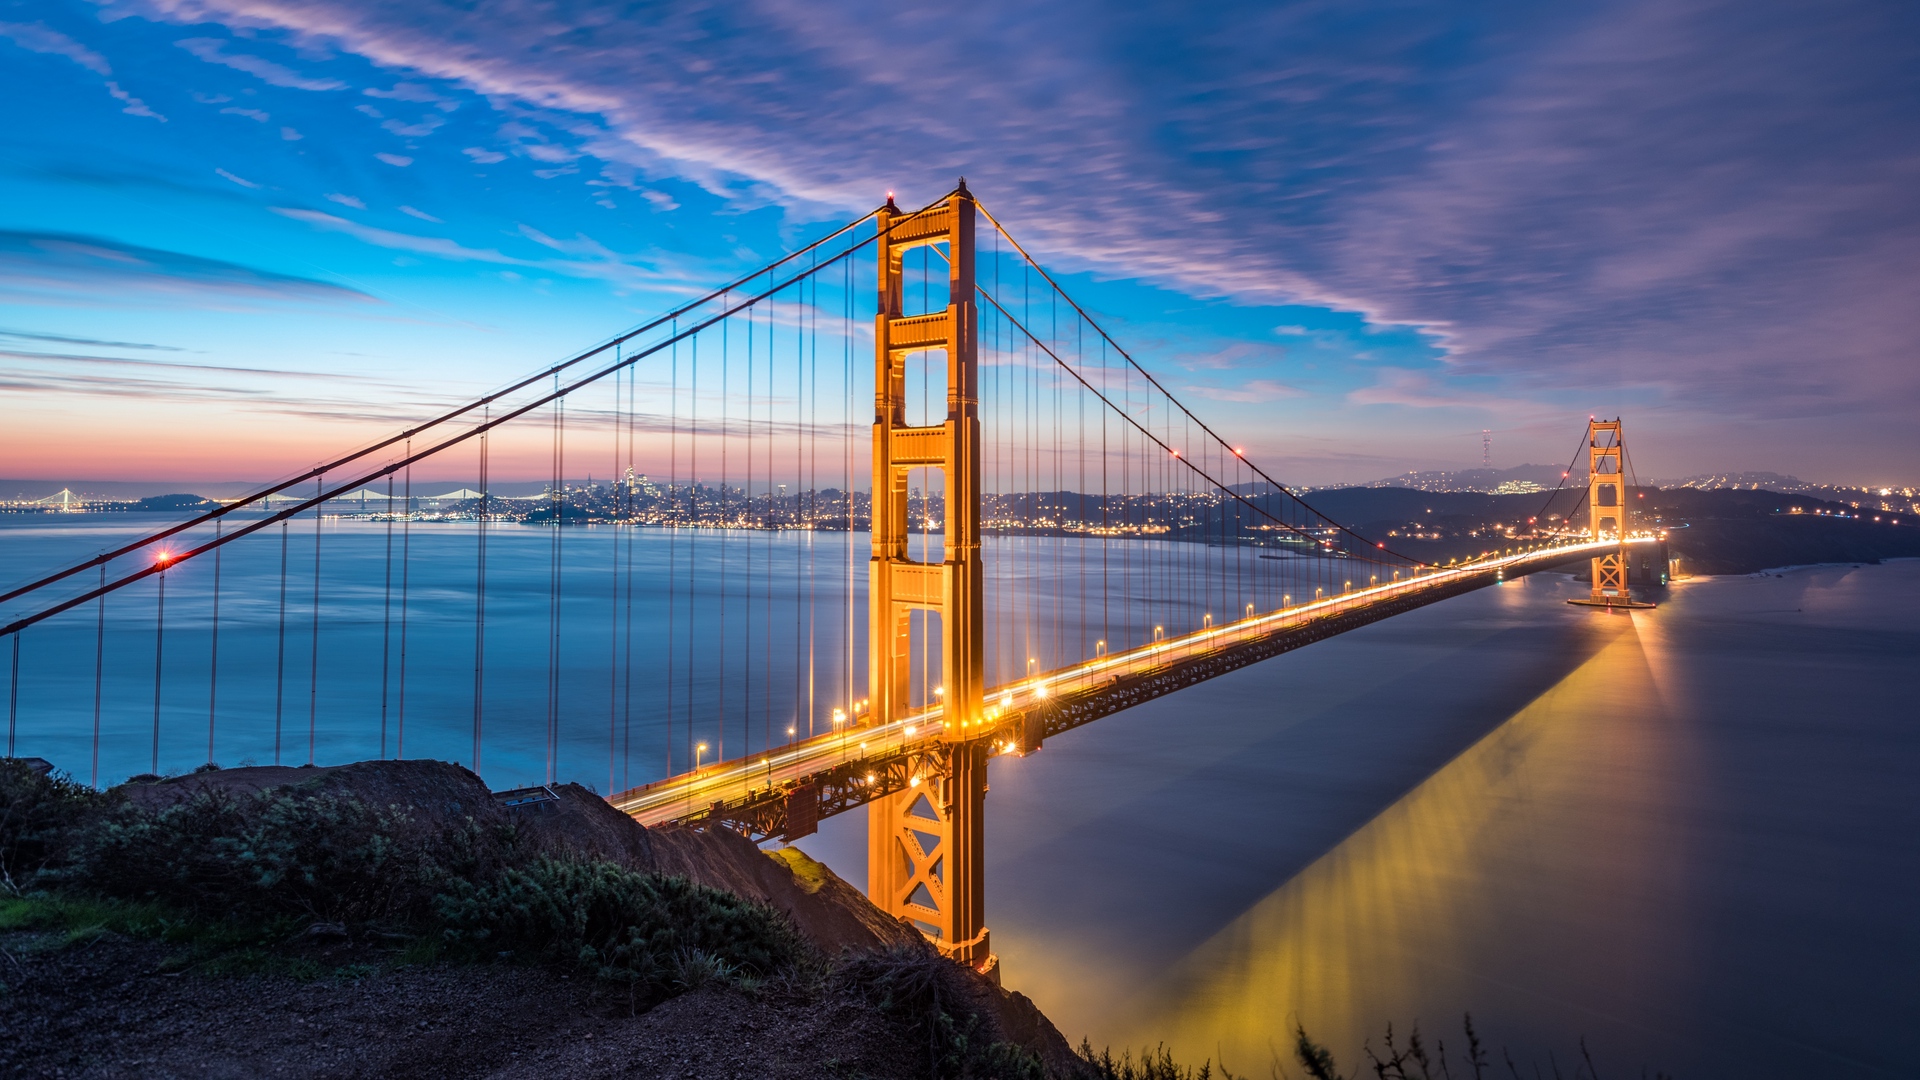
(1610, 515)
(926, 848)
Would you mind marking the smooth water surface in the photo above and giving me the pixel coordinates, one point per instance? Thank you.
(1690, 836)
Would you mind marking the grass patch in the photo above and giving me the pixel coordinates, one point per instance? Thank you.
(227, 947)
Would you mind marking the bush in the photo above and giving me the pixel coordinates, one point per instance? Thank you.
(274, 854)
(1155, 1064)
(930, 996)
(40, 813)
(660, 934)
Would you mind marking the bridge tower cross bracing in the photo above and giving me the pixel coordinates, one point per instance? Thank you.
(926, 848)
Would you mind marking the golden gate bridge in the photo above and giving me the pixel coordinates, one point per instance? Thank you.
(1050, 536)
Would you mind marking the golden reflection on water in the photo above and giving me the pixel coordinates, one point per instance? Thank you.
(1532, 862)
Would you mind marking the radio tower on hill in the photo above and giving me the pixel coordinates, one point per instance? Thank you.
(1486, 448)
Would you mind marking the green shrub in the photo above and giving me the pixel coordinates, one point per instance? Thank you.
(276, 853)
(658, 933)
(930, 996)
(40, 814)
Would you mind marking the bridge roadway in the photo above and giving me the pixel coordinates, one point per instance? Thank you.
(783, 792)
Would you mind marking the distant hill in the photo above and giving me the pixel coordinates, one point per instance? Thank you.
(1713, 530)
(1520, 479)
(175, 502)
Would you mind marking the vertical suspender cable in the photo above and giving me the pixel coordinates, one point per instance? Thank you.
(633, 523)
(553, 582)
(406, 534)
(13, 701)
(99, 668)
(693, 517)
(616, 507)
(313, 669)
(674, 519)
(726, 390)
(280, 661)
(159, 642)
(213, 652)
(386, 631)
(480, 598)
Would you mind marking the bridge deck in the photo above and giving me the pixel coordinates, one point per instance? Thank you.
(841, 770)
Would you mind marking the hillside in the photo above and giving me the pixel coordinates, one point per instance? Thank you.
(397, 919)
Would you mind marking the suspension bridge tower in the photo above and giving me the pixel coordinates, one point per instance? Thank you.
(1610, 515)
(926, 848)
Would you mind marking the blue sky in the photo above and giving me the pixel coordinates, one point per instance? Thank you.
(238, 234)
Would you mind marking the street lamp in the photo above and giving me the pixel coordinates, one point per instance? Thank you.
(698, 750)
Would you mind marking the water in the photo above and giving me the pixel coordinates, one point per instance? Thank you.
(382, 656)
(1690, 835)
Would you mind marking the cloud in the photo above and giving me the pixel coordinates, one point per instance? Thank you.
(414, 92)
(346, 200)
(251, 114)
(1421, 390)
(172, 365)
(27, 335)
(483, 157)
(398, 161)
(290, 135)
(398, 241)
(49, 264)
(426, 126)
(212, 51)
(1254, 391)
(41, 38)
(421, 214)
(134, 106)
(225, 175)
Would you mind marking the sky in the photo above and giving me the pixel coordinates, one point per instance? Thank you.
(239, 235)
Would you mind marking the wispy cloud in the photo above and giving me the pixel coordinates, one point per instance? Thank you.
(1422, 390)
(77, 266)
(1253, 391)
(398, 241)
(213, 51)
(58, 339)
(41, 38)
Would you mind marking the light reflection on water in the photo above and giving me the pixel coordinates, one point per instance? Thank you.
(1494, 858)
(1689, 836)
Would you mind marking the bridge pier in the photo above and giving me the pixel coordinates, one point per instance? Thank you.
(925, 846)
